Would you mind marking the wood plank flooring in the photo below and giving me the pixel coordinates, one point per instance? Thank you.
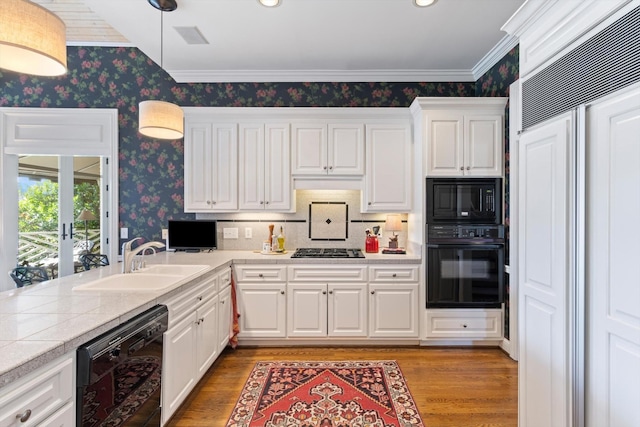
(452, 387)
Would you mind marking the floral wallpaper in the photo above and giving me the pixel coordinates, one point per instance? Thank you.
(151, 171)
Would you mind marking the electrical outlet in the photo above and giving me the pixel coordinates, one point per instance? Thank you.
(248, 233)
(230, 233)
(165, 234)
(124, 233)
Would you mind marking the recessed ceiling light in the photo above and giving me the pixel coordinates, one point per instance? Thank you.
(424, 3)
(269, 3)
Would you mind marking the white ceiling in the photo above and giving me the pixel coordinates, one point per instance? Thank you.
(314, 40)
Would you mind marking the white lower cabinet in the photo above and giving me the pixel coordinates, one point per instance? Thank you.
(43, 397)
(393, 310)
(224, 317)
(464, 324)
(320, 310)
(262, 300)
(190, 343)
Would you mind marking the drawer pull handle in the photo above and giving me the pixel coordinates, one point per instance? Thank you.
(394, 275)
(200, 298)
(24, 417)
(464, 326)
(260, 275)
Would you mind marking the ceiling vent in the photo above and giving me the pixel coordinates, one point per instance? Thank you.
(191, 35)
(606, 62)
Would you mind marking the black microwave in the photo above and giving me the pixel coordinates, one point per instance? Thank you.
(464, 200)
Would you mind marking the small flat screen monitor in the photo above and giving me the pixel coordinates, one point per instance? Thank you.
(192, 235)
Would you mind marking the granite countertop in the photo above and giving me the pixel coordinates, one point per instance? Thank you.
(45, 321)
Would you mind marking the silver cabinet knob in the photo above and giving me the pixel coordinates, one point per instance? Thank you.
(369, 203)
(260, 275)
(24, 417)
(324, 292)
(330, 292)
(266, 203)
(394, 275)
(464, 326)
(213, 202)
(261, 202)
(325, 168)
(282, 292)
(330, 168)
(461, 168)
(373, 292)
(468, 167)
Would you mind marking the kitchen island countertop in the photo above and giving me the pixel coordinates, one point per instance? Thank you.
(42, 322)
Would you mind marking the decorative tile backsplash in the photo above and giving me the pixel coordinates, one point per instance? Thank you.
(340, 206)
(329, 221)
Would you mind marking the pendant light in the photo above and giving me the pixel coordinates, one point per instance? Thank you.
(32, 39)
(161, 119)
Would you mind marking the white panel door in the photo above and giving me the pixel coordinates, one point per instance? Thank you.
(306, 310)
(309, 149)
(262, 308)
(388, 178)
(206, 335)
(224, 319)
(346, 149)
(483, 150)
(251, 166)
(445, 139)
(612, 374)
(393, 310)
(545, 192)
(347, 311)
(224, 166)
(277, 176)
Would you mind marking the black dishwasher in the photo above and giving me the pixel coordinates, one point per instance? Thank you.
(119, 373)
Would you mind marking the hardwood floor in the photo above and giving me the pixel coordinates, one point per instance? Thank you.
(451, 386)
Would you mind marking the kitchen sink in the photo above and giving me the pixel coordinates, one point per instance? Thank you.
(150, 279)
(172, 269)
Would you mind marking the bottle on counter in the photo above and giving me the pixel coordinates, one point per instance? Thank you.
(280, 239)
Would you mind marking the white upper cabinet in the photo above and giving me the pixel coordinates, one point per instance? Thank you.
(388, 178)
(210, 167)
(265, 179)
(461, 136)
(327, 149)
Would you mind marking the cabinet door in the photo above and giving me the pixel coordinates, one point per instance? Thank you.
(63, 417)
(224, 319)
(306, 310)
(224, 167)
(445, 136)
(206, 335)
(393, 310)
(346, 149)
(277, 177)
(251, 166)
(347, 311)
(483, 149)
(262, 310)
(179, 365)
(388, 177)
(309, 149)
(198, 156)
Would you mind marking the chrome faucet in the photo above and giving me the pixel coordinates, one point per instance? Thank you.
(129, 254)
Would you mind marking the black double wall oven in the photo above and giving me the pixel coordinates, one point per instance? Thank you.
(465, 243)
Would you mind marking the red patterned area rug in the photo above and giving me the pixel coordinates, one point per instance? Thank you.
(325, 394)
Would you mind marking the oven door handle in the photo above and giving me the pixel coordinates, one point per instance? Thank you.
(470, 245)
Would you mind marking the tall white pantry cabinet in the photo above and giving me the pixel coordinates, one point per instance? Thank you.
(575, 201)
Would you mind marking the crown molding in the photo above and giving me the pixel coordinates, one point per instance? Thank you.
(492, 57)
(279, 76)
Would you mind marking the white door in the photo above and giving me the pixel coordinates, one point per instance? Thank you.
(277, 163)
(306, 310)
(251, 166)
(612, 374)
(393, 310)
(262, 310)
(224, 319)
(347, 310)
(445, 139)
(545, 189)
(483, 148)
(346, 149)
(309, 149)
(206, 335)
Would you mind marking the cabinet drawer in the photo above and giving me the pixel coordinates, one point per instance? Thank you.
(41, 394)
(224, 279)
(189, 300)
(260, 273)
(390, 274)
(464, 323)
(334, 273)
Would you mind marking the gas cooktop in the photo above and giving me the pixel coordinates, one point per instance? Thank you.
(327, 253)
